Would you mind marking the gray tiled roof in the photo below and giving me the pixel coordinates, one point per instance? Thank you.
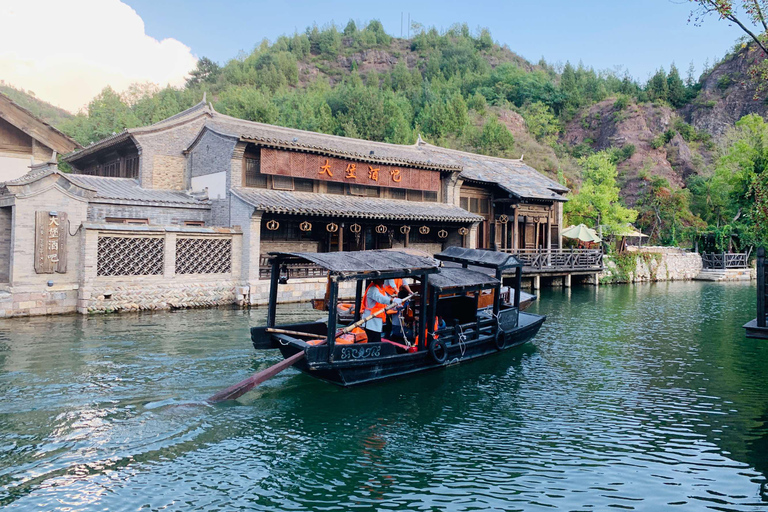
(514, 176)
(308, 203)
(345, 147)
(127, 189)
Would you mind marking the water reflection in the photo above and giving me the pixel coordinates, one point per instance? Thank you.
(633, 397)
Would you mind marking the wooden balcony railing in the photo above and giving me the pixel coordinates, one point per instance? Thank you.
(294, 270)
(554, 260)
(724, 260)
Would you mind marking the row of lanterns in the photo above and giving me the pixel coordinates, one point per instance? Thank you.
(381, 229)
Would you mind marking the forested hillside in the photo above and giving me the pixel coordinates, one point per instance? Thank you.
(42, 109)
(594, 131)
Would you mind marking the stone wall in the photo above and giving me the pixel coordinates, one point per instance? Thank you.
(298, 290)
(171, 289)
(30, 293)
(6, 219)
(643, 264)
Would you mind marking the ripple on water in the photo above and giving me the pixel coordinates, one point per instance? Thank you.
(636, 398)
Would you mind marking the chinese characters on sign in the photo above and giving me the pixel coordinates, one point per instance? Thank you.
(50, 242)
(341, 170)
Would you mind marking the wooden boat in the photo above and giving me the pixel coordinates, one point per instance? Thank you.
(450, 296)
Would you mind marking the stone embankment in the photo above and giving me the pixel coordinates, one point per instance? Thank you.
(644, 264)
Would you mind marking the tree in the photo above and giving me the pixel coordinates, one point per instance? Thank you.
(676, 93)
(750, 18)
(597, 201)
(206, 71)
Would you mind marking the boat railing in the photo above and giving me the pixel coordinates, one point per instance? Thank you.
(724, 260)
(559, 259)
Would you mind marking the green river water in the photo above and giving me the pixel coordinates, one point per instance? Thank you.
(644, 397)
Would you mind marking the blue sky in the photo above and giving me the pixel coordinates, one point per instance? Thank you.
(636, 35)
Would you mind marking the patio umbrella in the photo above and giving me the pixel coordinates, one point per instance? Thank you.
(630, 231)
(581, 232)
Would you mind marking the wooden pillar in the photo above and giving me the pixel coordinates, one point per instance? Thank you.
(341, 237)
(549, 232)
(407, 238)
(505, 242)
(567, 280)
(536, 282)
(515, 231)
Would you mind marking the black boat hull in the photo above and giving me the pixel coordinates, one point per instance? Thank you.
(357, 364)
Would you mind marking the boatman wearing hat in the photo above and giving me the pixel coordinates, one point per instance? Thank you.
(375, 302)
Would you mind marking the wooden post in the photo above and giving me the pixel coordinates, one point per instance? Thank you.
(761, 287)
(515, 229)
(518, 285)
(407, 237)
(497, 293)
(341, 237)
(358, 299)
(274, 281)
(423, 313)
(332, 316)
(505, 243)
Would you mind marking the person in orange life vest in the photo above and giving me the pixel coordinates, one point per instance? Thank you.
(393, 287)
(375, 302)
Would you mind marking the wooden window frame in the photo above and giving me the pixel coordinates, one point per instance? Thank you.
(129, 221)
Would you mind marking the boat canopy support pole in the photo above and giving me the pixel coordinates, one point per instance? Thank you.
(497, 293)
(518, 285)
(423, 313)
(358, 299)
(332, 299)
(273, 283)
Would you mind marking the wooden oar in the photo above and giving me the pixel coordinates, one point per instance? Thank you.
(241, 388)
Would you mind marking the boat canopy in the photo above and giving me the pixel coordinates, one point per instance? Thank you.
(479, 257)
(380, 263)
(453, 278)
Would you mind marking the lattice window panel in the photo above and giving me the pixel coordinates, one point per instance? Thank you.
(203, 255)
(130, 256)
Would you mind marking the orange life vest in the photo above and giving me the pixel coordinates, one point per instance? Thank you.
(394, 291)
(378, 309)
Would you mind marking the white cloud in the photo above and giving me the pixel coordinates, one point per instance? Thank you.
(66, 51)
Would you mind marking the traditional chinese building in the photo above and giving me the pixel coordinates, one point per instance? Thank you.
(26, 140)
(163, 205)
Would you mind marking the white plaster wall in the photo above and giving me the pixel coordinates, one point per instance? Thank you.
(12, 167)
(216, 184)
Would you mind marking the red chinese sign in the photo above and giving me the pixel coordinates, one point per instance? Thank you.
(318, 167)
(50, 242)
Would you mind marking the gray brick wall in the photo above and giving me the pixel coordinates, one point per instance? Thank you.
(211, 154)
(240, 215)
(98, 212)
(162, 163)
(5, 243)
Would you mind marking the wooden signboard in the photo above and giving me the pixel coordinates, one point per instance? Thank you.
(318, 167)
(51, 230)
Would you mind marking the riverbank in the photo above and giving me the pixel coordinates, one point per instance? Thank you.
(653, 264)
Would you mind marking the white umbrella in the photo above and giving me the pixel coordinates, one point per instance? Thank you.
(581, 232)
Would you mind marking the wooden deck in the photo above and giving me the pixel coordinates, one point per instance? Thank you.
(559, 261)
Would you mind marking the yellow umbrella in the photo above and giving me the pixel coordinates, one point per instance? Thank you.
(581, 232)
